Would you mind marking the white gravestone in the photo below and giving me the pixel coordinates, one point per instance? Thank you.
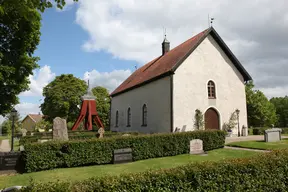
(196, 146)
(272, 135)
(60, 129)
(101, 132)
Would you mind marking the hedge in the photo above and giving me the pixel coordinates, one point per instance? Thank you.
(261, 130)
(72, 136)
(264, 172)
(53, 154)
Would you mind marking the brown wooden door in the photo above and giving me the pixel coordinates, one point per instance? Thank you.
(211, 119)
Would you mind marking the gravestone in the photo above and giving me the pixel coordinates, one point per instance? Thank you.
(123, 155)
(196, 146)
(177, 130)
(272, 135)
(60, 129)
(101, 132)
(8, 160)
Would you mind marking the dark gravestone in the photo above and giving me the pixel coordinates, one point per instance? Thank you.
(9, 160)
(122, 155)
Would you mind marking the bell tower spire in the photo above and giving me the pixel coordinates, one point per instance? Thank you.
(165, 44)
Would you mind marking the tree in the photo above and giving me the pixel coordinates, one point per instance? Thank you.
(261, 112)
(230, 125)
(62, 96)
(103, 103)
(20, 22)
(43, 125)
(7, 124)
(281, 105)
(199, 120)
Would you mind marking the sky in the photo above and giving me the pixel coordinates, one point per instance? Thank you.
(108, 39)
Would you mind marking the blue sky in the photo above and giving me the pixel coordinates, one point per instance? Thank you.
(107, 38)
(61, 49)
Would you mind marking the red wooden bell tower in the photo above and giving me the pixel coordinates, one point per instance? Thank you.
(88, 112)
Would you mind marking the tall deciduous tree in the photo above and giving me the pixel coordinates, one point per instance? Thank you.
(62, 96)
(261, 113)
(281, 105)
(103, 104)
(20, 22)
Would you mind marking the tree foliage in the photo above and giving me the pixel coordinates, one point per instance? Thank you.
(43, 125)
(198, 120)
(231, 124)
(6, 126)
(62, 96)
(281, 105)
(103, 104)
(20, 22)
(261, 112)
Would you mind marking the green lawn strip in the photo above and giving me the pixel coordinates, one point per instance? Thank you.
(81, 173)
(260, 144)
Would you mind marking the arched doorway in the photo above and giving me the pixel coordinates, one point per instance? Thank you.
(211, 119)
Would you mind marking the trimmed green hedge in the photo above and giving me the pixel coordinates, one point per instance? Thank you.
(54, 154)
(266, 172)
(73, 135)
(261, 130)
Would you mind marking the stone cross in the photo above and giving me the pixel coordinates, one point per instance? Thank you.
(60, 129)
(196, 146)
(101, 131)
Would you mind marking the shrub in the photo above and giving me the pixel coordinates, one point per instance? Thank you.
(73, 135)
(265, 172)
(261, 130)
(51, 154)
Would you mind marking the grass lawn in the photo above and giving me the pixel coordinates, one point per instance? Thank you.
(261, 144)
(80, 173)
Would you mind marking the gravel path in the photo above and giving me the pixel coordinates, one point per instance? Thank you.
(248, 138)
(5, 145)
(246, 149)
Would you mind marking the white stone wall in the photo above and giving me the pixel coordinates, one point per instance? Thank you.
(208, 62)
(156, 95)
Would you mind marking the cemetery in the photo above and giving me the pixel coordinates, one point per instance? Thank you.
(100, 119)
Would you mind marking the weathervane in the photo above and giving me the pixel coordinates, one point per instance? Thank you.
(210, 21)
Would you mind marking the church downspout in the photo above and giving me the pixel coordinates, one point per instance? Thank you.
(171, 104)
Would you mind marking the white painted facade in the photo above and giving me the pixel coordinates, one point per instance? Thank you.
(156, 96)
(208, 62)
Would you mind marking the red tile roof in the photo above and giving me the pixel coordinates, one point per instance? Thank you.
(164, 65)
(36, 117)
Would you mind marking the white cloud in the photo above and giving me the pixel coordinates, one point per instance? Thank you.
(132, 29)
(39, 80)
(109, 80)
(275, 91)
(27, 108)
(1, 119)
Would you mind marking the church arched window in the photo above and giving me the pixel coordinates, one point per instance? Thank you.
(117, 119)
(129, 117)
(211, 90)
(144, 115)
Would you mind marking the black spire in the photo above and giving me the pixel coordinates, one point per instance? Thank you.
(165, 46)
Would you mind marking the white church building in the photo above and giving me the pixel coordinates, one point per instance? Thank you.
(162, 96)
